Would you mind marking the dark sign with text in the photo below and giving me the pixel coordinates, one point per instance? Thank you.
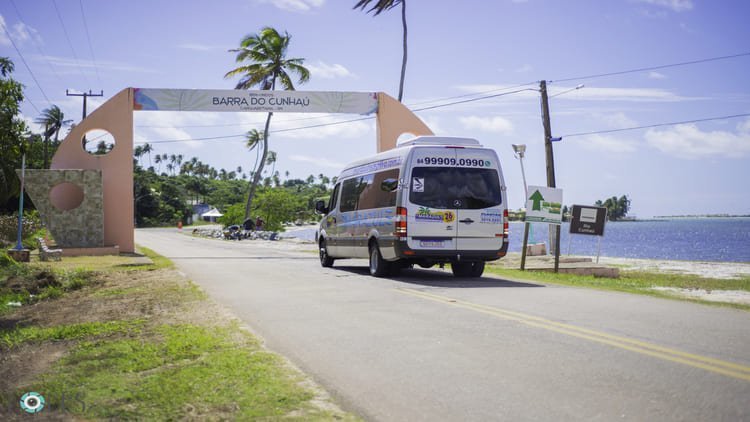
(588, 220)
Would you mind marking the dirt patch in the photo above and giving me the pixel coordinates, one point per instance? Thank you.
(33, 285)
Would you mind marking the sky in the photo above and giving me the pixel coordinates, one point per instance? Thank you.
(624, 52)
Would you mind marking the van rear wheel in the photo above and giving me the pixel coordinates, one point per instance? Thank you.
(468, 269)
(379, 267)
(325, 259)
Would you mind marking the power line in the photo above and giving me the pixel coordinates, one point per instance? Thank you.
(30, 71)
(70, 43)
(706, 119)
(500, 95)
(88, 38)
(36, 44)
(643, 69)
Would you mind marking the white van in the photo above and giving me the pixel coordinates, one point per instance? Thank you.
(431, 200)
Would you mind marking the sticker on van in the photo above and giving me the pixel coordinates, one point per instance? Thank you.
(426, 214)
(417, 184)
(491, 216)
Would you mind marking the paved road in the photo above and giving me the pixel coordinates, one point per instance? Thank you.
(428, 347)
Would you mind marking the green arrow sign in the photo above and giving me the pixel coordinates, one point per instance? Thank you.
(537, 198)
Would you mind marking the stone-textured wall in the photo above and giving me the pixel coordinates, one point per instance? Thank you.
(81, 227)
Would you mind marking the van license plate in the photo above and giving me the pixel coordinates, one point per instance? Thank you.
(431, 243)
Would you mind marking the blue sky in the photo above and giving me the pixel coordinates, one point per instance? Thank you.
(472, 48)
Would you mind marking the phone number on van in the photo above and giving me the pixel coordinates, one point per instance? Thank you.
(462, 162)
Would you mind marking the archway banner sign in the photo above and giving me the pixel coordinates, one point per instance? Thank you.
(155, 99)
(116, 117)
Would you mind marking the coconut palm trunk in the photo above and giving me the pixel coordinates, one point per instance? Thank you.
(259, 170)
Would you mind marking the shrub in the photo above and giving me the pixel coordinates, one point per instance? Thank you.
(32, 226)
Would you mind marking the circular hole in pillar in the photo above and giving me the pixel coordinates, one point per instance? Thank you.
(98, 142)
(66, 196)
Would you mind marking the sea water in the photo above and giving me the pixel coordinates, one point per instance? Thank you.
(690, 239)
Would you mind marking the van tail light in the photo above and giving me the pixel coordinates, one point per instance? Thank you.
(506, 226)
(401, 222)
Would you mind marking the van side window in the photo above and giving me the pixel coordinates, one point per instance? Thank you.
(334, 198)
(384, 197)
(366, 192)
(350, 194)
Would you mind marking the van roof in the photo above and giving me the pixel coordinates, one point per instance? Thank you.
(439, 140)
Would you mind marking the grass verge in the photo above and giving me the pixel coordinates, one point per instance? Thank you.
(639, 282)
(128, 338)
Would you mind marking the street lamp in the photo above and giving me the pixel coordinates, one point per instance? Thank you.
(520, 150)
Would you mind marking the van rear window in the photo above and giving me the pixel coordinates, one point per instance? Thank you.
(455, 187)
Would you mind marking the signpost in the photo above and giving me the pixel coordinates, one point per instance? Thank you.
(543, 205)
(590, 221)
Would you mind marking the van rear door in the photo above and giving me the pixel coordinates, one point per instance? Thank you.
(455, 200)
(431, 214)
(478, 196)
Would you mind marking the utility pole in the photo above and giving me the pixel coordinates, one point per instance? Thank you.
(84, 95)
(554, 235)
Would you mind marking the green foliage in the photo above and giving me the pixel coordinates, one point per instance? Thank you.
(32, 228)
(276, 206)
(617, 208)
(5, 260)
(12, 128)
(235, 214)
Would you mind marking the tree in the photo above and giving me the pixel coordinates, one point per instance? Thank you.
(379, 7)
(53, 120)
(617, 208)
(12, 129)
(266, 54)
(147, 148)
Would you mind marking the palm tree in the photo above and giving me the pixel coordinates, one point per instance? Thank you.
(271, 160)
(266, 54)
(53, 120)
(138, 153)
(6, 66)
(157, 160)
(379, 7)
(147, 150)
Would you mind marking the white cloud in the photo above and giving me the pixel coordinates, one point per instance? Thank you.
(689, 142)
(349, 130)
(494, 124)
(323, 162)
(3, 38)
(623, 94)
(656, 75)
(19, 32)
(202, 47)
(295, 5)
(526, 68)
(328, 71)
(617, 120)
(587, 93)
(674, 5)
(605, 143)
(64, 63)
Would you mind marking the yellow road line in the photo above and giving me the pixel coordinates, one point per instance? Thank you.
(718, 366)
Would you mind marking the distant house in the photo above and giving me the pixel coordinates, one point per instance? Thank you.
(199, 210)
(211, 215)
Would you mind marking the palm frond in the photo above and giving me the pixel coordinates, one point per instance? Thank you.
(379, 6)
